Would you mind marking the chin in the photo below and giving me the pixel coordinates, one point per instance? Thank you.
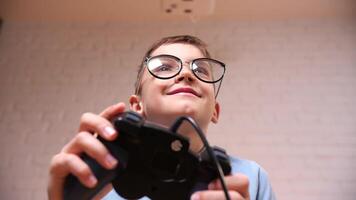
(166, 115)
(185, 110)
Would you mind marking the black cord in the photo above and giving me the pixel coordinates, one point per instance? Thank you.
(212, 156)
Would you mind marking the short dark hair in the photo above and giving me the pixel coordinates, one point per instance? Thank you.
(182, 39)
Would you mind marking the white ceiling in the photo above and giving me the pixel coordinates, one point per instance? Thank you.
(151, 10)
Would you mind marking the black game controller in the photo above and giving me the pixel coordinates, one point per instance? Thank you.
(153, 162)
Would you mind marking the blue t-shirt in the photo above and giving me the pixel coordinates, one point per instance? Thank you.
(260, 188)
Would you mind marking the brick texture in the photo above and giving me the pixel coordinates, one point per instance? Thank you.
(287, 99)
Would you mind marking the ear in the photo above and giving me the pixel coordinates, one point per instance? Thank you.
(216, 113)
(136, 104)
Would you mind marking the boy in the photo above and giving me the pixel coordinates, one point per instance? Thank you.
(177, 77)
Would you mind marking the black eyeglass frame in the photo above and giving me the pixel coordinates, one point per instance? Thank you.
(147, 59)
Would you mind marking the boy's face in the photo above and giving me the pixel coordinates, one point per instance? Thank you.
(162, 101)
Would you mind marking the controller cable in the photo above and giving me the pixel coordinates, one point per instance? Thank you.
(212, 155)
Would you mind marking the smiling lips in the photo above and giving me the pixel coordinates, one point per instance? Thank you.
(184, 90)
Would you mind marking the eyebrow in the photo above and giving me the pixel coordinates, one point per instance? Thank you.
(188, 61)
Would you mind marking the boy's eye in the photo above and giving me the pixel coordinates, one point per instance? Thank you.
(201, 70)
(163, 66)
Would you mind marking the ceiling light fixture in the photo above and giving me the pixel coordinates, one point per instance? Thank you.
(196, 8)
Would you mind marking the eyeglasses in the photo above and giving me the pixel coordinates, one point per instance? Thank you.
(167, 66)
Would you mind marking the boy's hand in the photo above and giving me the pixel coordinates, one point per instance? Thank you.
(237, 185)
(69, 161)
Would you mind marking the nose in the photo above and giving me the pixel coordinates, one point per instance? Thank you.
(185, 74)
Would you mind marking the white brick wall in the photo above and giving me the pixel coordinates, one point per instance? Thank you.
(287, 99)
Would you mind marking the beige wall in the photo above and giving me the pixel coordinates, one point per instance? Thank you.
(287, 99)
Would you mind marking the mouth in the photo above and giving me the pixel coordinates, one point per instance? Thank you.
(184, 90)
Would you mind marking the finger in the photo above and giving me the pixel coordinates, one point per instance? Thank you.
(93, 123)
(87, 143)
(110, 112)
(237, 182)
(216, 195)
(64, 164)
(57, 176)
